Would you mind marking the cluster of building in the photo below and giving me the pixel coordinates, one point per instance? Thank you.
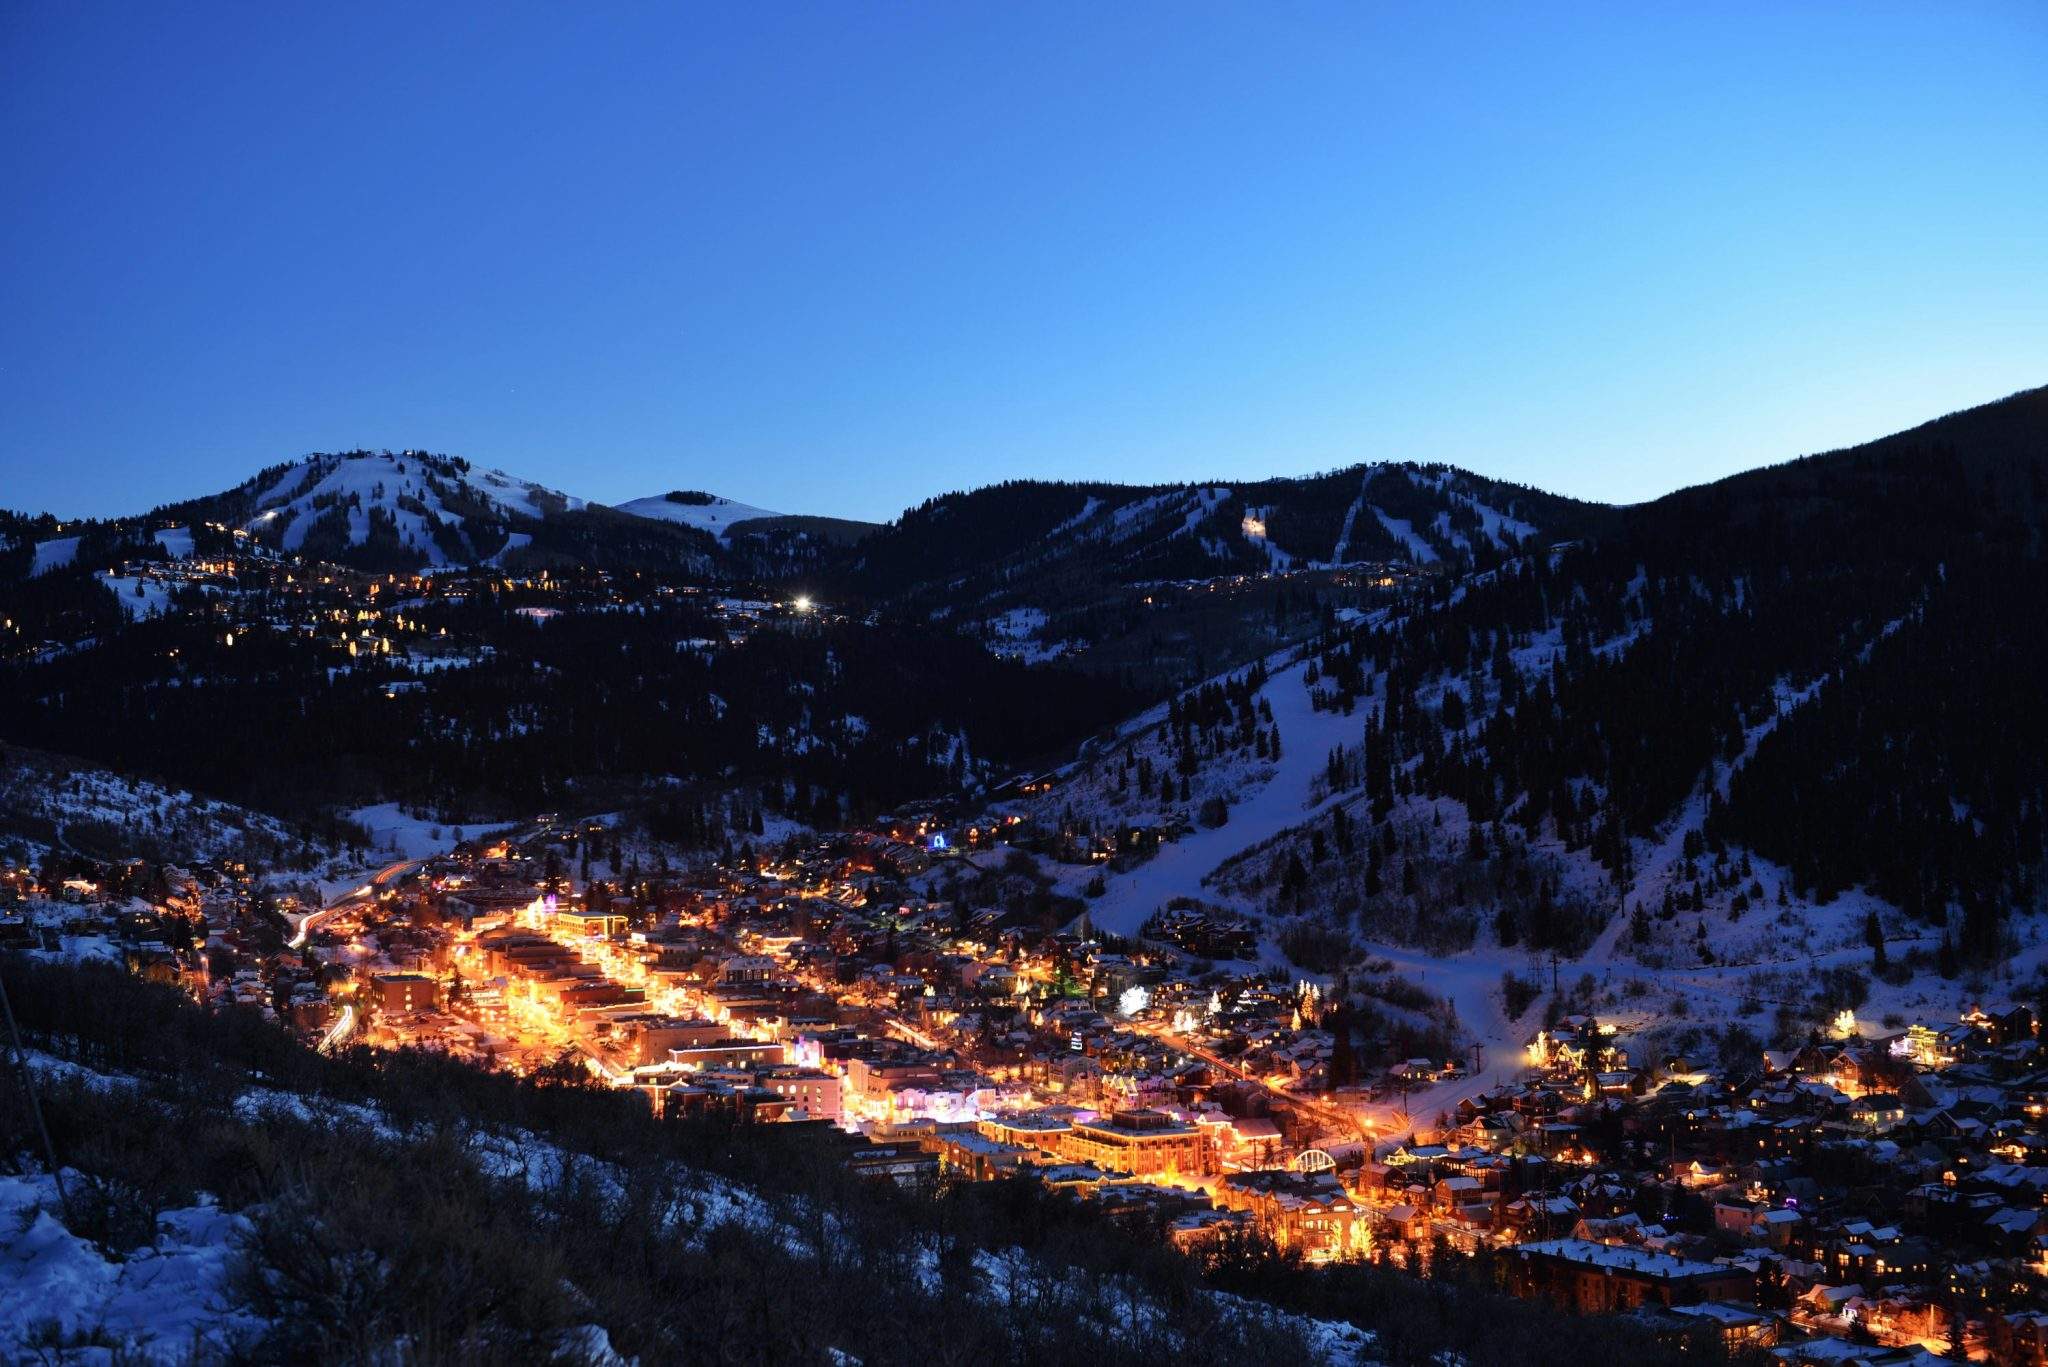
(1885, 1192)
(208, 929)
(1881, 1194)
(821, 986)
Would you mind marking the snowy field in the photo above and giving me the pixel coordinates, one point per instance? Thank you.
(401, 835)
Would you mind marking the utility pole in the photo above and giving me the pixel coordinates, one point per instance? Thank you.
(35, 1107)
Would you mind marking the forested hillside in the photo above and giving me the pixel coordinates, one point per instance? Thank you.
(1834, 662)
(1829, 664)
(839, 718)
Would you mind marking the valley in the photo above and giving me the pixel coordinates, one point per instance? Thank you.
(1387, 867)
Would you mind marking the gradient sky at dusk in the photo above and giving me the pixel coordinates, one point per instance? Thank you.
(838, 257)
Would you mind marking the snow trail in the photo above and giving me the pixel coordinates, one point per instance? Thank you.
(1306, 737)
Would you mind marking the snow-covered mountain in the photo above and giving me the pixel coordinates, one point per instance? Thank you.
(1003, 538)
(440, 509)
(693, 508)
(385, 511)
(1115, 576)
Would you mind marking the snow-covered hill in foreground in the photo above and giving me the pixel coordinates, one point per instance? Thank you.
(706, 512)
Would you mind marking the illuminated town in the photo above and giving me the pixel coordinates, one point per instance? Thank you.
(822, 984)
(936, 685)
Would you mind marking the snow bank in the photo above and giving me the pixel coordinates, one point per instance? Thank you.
(163, 1303)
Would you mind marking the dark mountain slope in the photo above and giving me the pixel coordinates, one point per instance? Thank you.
(956, 546)
(1171, 583)
(1840, 655)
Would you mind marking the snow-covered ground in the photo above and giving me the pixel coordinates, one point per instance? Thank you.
(1100, 521)
(54, 554)
(173, 1300)
(1268, 799)
(398, 833)
(165, 1302)
(1339, 554)
(45, 794)
(1019, 634)
(1501, 528)
(139, 597)
(176, 542)
(1403, 532)
(514, 541)
(1729, 940)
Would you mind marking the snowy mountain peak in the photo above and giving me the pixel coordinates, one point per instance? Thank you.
(694, 508)
(409, 506)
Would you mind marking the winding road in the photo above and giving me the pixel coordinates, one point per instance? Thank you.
(304, 923)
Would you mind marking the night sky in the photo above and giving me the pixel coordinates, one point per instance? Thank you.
(840, 257)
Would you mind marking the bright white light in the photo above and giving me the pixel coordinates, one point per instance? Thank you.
(1133, 1000)
(802, 603)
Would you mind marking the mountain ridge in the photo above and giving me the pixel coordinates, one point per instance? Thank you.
(1808, 661)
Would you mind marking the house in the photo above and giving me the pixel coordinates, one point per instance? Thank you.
(1737, 1327)
(1578, 1275)
(2019, 1338)
(906, 1165)
(1877, 1112)
(1539, 1217)
(815, 1092)
(1202, 1229)
(1771, 1226)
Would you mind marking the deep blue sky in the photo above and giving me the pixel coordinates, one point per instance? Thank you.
(836, 258)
